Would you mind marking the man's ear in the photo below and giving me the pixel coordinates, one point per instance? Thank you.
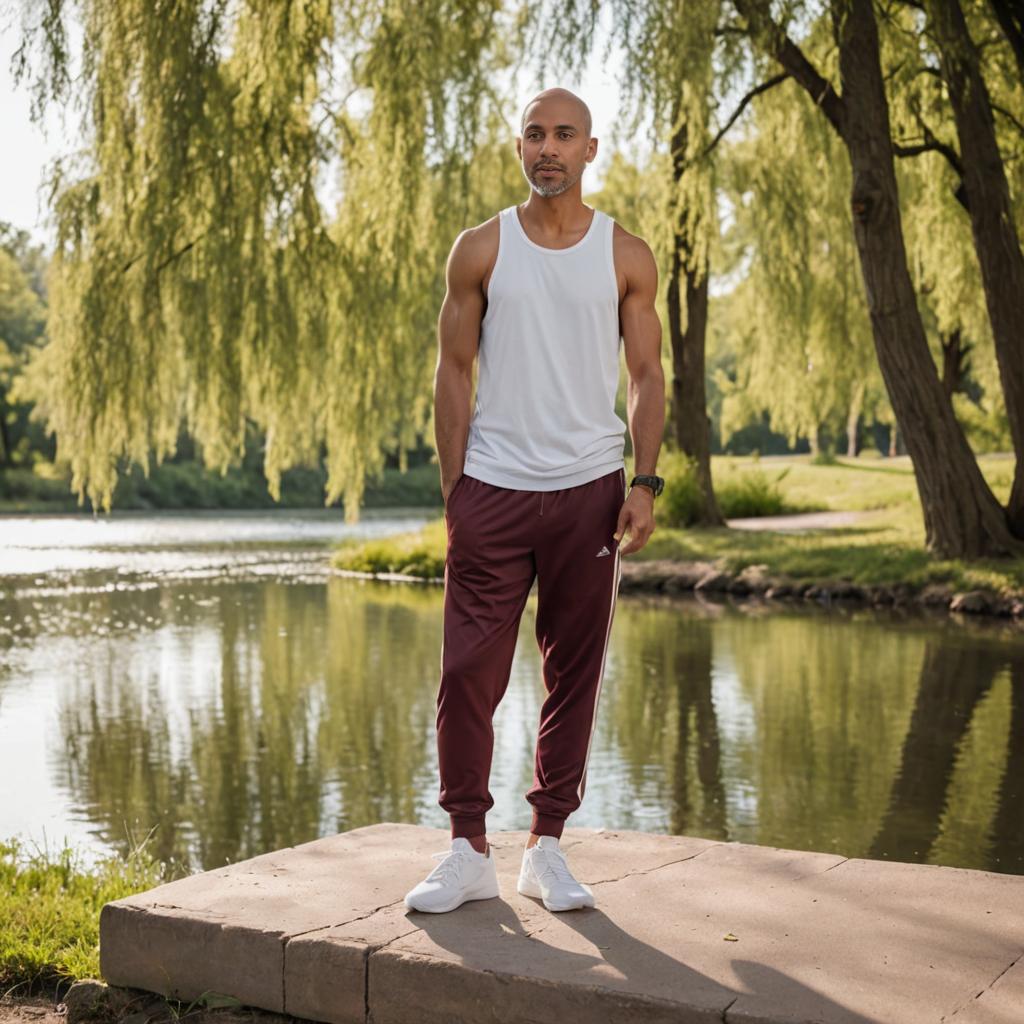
(519, 146)
(591, 148)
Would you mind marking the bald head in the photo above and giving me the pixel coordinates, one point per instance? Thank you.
(563, 106)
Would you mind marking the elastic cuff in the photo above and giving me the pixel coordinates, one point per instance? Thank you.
(547, 825)
(469, 827)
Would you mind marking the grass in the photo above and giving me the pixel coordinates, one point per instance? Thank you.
(886, 546)
(50, 907)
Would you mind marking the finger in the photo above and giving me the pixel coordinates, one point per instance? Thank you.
(625, 518)
(636, 542)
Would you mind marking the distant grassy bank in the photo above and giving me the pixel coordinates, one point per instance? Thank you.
(188, 485)
(885, 547)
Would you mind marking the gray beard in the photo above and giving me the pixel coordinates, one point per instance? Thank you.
(547, 191)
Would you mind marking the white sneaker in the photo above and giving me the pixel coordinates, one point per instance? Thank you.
(464, 874)
(545, 874)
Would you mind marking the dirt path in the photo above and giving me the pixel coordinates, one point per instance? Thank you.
(798, 523)
(32, 1010)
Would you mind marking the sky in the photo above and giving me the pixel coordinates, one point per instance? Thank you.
(35, 145)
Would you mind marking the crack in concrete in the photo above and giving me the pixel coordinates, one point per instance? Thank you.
(366, 985)
(725, 1009)
(815, 874)
(655, 867)
(370, 952)
(340, 924)
(286, 939)
(978, 995)
(839, 864)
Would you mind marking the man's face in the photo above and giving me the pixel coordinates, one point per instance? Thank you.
(554, 147)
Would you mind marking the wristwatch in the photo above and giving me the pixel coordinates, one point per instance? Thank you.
(656, 483)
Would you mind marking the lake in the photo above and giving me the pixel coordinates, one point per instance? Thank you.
(203, 680)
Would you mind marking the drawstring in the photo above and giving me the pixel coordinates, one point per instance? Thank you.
(542, 503)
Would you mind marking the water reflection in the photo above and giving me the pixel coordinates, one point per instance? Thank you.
(233, 716)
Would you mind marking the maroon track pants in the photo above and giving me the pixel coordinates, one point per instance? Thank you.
(499, 540)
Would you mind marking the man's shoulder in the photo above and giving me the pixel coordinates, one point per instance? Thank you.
(635, 261)
(628, 244)
(477, 246)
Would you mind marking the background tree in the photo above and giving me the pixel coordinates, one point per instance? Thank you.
(802, 330)
(962, 517)
(988, 203)
(197, 276)
(22, 320)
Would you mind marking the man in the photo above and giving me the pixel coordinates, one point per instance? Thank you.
(534, 486)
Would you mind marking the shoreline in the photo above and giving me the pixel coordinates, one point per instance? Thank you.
(711, 578)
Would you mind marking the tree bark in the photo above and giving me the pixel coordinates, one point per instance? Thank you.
(992, 221)
(689, 398)
(954, 356)
(1011, 20)
(962, 517)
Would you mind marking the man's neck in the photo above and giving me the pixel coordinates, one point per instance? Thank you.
(556, 216)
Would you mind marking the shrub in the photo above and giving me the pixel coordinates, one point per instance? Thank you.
(681, 499)
(751, 493)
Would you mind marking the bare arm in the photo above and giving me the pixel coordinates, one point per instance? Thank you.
(645, 392)
(458, 336)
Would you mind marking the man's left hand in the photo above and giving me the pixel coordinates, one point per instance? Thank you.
(637, 517)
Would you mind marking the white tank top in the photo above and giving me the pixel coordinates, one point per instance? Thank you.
(548, 369)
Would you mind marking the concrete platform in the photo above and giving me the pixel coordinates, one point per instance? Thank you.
(685, 930)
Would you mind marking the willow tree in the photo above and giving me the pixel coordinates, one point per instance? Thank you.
(996, 239)
(198, 277)
(800, 324)
(21, 325)
(943, 265)
(962, 517)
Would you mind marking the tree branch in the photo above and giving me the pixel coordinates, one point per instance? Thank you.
(792, 58)
(756, 91)
(1016, 124)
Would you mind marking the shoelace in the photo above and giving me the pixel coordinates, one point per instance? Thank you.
(554, 862)
(449, 868)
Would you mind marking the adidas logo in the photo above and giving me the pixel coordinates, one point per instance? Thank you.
(604, 551)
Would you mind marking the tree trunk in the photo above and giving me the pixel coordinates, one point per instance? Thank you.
(962, 517)
(853, 418)
(6, 455)
(1011, 20)
(953, 362)
(992, 221)
(689, 399)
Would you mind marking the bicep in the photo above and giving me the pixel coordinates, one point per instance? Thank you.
(638, 317)
(463, 307)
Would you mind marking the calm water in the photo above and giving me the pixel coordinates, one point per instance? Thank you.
(204, 679)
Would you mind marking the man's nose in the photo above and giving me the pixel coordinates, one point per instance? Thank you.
(548, 149)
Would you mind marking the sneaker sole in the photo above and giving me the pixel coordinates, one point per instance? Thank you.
(484, 892)
(527, 888)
